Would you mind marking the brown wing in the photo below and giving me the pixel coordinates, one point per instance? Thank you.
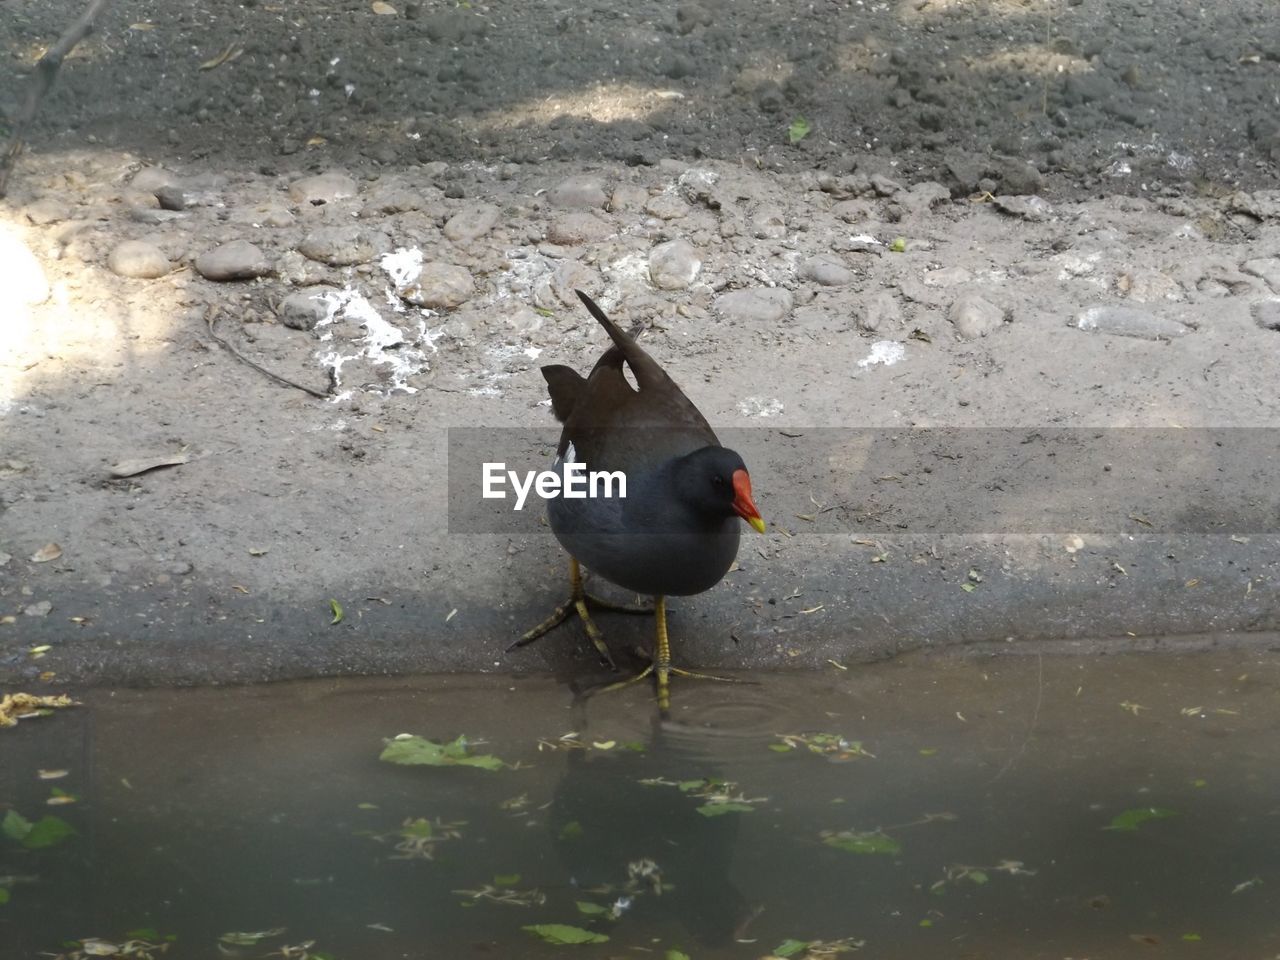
(615, 427)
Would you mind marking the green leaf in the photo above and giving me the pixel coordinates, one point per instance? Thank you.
(717, 809)
(4, 896)
(798, 130)
(143, 933)
(571, 830)
(336, 607)
(15, 826)
(789, 948)
(1191, 937)
(506, 879)
(591, 909)
(419, 829)
(562, 933)
(870, 841)
(899, 245)
(420, 751)
(46, 832)
(1129, 819)
(685, 786)
(675, 955)
(977, 876)
(634, 745)
(780, 747)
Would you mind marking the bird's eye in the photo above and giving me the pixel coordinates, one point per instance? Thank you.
(717, 480)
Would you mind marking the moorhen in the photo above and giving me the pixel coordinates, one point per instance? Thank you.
(675, 533)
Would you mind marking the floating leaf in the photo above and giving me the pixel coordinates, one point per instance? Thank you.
(591, 909)
(571, 830)
(977, 876)
(718, 809)
(336, 607)
(789, 948)
(248, 939)
(46, 832)
(4, 896)
(675, 955)
(411, 750)
(1191, 937)
(798, 130)
(1130, 819)
(506, 879)
(869, 841)
(562, 933)
(15, 826)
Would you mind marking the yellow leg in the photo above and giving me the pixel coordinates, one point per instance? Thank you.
(660, 666)
(579, 601)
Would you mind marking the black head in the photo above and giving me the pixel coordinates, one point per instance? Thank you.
(715, 483)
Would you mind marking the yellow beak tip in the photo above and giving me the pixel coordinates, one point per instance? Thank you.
(757, 524)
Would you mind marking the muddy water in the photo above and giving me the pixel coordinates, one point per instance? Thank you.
(1003, 807)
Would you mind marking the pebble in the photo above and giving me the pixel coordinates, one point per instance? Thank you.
(389, 198)
(471, 222)
(755, 305)
(22, 278)
(323, 188)
(667, 206)
(1266, 268)
(852, 211)
(1148, 286)
(973, 316)
(439, 286)
(138, 260)
(341, 246)
(922, 197)
(1028, 208)
(674, 265)
(264, 215)
(1128, 322)
(879, 313)
(47, 210)
(1266, 314)
(826, 270)
(573, 275)
(627, 197)
(578, 193)
(1017, 176)
(768, 223)
(41, 609)
(303, 309)
(571, 229)
(151, 179)
(154, 216)
(237, 260)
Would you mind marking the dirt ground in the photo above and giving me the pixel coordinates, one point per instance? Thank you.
(880, 217)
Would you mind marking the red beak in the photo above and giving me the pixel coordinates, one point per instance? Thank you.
(743, 505)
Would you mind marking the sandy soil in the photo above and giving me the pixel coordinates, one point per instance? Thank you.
(975, 179)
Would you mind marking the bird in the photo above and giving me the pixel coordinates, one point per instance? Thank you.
(676, 531)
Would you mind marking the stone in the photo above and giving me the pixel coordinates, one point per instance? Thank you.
(1128, 322)
(303, 309)
(323, 188)
(674, 265)
(344, 245)
(47, 210)
(852, 211)
(1265, 268)
(767, 223)
(1266, 314)
(151, 179)
(471, 222)
(667, 206)
(573, 275)
(571, 229)
(879, 313)
(439, 286)
(578, 193)
(826, 270)
(1028, 208)
(138, 260)
(1148, 286)
(754, 305)
(237, 260)
(973, 316)
(1016, 176)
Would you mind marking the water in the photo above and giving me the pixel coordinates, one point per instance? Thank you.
(990, 787)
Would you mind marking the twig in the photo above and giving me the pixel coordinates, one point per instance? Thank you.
(42, 81)
(211, 320)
